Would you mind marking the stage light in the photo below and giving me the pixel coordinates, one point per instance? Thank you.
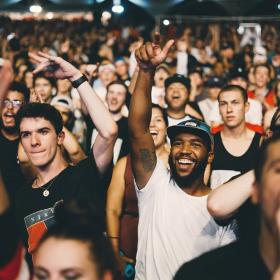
(35, 8)
(106, 15)
(240, 29)
(278, 6)
(49, 15)
(118, 9)
(166, 22)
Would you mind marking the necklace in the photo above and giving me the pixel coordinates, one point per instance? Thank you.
(46, 191)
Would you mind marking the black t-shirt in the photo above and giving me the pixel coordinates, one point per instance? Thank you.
(35, 212)
(11, 172)
(238, 260)
(121, 147)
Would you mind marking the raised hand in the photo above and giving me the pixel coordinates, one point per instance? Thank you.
(6, 77)
(35, 97)
(150, 55)
(55, 66)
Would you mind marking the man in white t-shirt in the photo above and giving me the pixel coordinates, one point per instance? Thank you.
(174, 224)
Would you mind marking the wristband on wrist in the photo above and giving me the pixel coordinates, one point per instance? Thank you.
(79, 81)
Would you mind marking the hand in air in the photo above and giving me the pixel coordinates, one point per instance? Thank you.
(150, 55)
(54, 66)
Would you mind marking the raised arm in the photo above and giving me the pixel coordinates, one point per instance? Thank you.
(225, 200)
(114, 205)
(143, 154)
(106, 127)
(6, 77)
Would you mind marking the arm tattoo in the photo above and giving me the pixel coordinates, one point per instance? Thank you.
(148, 159)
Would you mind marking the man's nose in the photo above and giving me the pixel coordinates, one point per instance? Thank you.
(34, 139)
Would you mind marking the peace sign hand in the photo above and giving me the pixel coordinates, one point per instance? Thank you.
(150, 55)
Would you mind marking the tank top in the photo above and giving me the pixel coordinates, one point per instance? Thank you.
(129, 218)
(225, 165)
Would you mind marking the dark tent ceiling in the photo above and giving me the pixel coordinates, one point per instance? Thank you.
(157, 7)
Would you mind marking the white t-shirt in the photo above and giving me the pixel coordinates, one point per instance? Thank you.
(206, 107)
(172, 121)
(174, 227)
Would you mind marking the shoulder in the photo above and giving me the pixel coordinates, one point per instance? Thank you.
(224, 256)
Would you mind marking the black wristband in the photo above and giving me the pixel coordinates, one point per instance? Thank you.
(79, 81)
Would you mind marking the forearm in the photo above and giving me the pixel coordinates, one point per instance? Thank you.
(225, 200)
(133, 80)
(141, 104)
(99, 114)
(113, 228)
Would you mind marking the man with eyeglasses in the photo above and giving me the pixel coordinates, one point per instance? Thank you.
(13, 177)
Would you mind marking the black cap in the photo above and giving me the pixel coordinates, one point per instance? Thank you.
(238, 73)
(215, 81)
(196, 70)
(193, 126)
(178, 79)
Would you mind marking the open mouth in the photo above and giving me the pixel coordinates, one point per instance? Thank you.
(154, 132)
(9, 116)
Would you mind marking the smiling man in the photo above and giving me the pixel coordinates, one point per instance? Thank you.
(258, 257)
(115, 100)
(41, 135)
(174, 224)
(17, 95)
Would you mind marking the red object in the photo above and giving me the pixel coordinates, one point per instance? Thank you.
(269, 98)
(254, 127)
(11, 270)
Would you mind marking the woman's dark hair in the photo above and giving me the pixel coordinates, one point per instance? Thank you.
(40, 110)
(163, 111)
(77, 220)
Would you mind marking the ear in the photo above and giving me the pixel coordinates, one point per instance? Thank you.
(210, 157)
(255, 197)
(269, 133)
(60, 138)
(247, 106)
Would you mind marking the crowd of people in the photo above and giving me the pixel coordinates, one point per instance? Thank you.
(126, 157)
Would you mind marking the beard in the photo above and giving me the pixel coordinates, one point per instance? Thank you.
(8, 129)
(187, 180)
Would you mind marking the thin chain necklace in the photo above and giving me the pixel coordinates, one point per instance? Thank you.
(46, 191)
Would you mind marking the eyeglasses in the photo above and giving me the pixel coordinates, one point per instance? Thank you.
(14, 103)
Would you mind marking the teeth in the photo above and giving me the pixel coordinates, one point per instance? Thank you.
(153, 132)
(185, 161)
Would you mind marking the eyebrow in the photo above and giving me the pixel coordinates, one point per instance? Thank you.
(71, 269)
(38, 130)
(273, 162)
(42, 269)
